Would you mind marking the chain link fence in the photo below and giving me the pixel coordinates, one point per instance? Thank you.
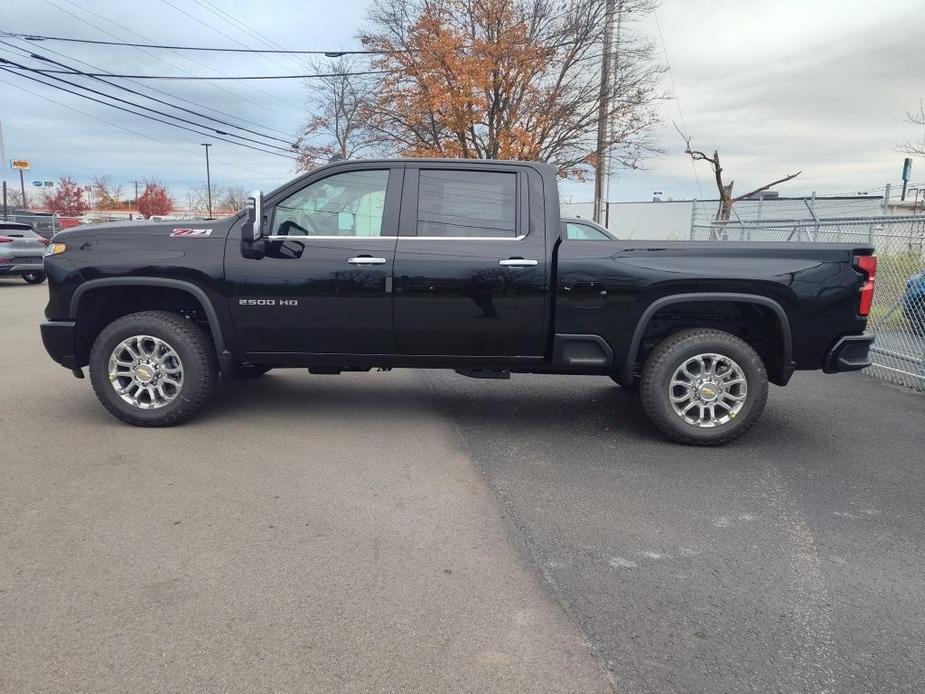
(46, 225)
(898, 314)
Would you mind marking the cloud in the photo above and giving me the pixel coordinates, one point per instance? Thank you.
(777, 87)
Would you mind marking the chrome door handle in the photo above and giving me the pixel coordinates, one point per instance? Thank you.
(366, 260)
(518, 262)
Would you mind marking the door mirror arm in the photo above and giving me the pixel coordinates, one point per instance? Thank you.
(253, 242)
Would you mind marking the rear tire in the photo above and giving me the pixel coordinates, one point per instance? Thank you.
(719, 378)
(192, 369)
(34, 277)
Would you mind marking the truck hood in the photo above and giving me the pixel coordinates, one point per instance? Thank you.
(208, 227)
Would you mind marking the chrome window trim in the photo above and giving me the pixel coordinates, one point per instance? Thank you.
(339, 238)
(403, 238)
(463, 238)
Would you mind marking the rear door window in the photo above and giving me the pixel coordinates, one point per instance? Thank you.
(468, 204)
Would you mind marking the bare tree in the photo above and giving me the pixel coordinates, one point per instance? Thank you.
(916, 149)
(14, 197)
(233, 198)
(106, 194)
(199, 196)
(338, 127)
(726, 200)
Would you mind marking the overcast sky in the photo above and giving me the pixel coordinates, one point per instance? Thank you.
(817, 85)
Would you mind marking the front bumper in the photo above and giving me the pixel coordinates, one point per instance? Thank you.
(850, 353)
(59, 338)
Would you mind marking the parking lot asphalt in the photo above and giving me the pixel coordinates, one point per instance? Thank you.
(420, 531)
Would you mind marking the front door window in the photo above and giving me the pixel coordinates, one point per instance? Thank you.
(346, 204)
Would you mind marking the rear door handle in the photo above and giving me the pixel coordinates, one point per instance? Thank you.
(518, 262)
(366, 260)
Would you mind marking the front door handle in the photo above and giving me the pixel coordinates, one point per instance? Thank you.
(366, 260)
(518, 262)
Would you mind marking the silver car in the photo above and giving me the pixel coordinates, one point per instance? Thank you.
(21, 251)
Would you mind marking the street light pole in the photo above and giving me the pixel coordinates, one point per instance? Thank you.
(208, 177)
(3, 160)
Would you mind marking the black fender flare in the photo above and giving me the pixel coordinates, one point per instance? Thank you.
(629, 367)
(215, 326)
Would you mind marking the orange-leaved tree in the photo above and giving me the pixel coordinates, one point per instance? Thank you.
(67, 198)
(506, 79)
(155, 200)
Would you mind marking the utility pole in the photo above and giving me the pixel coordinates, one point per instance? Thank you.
(208, 177)
(603, 113)
(136, 193)
(608, 160)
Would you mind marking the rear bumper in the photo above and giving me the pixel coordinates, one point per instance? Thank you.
(850, 353)
(21, 268)
(58, 336)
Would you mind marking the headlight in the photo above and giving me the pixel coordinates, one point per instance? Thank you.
(55, 249)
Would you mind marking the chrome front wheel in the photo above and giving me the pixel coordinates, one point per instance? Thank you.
(146, 372)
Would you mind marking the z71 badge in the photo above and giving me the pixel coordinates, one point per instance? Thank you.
(191, 232)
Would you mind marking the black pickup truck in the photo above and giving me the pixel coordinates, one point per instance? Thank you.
(463, 265)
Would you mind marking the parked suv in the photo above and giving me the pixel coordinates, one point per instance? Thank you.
(21, 251)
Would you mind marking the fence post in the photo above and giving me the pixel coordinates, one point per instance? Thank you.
(693, 216)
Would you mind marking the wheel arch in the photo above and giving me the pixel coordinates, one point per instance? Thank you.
(193, 291)
(627, 373)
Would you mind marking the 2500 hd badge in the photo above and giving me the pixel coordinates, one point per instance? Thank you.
(268, 302)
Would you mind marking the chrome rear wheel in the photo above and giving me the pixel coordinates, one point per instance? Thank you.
(708, 390)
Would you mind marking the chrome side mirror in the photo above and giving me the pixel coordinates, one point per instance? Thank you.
(253, 224)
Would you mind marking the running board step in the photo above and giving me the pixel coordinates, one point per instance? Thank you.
(499, 374)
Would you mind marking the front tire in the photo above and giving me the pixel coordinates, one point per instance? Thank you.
(703, 387)
(153, 368)
(34, 277)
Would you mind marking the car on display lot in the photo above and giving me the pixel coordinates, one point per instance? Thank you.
(21, 251)
(455, 264)
(578, 229)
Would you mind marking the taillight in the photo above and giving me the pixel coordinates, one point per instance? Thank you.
(868, 265)
(5, 239)
(42, 240)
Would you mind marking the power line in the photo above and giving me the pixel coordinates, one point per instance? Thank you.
(27, 53)
(135, 105)
(219, 31)
(213, 49)
(128, 130)
(674, 90)
(260, 104)
(143, 115)
(209, 77)
(262, 39)
(75, 72)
